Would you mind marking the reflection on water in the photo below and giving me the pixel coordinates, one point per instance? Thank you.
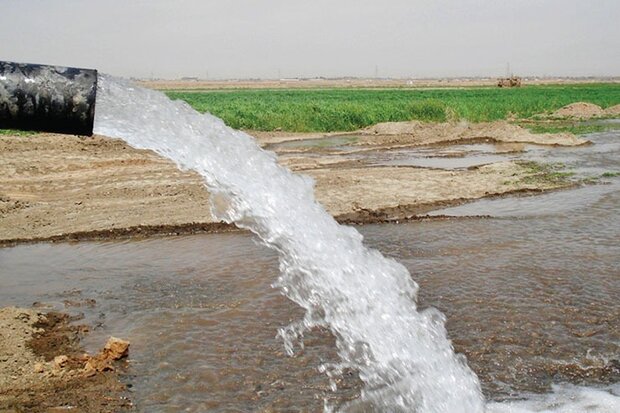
(328, 142)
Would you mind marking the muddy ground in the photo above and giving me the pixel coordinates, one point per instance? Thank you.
(55, 187)
(44, 369)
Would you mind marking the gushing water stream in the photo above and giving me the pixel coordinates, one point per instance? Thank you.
(366, 300)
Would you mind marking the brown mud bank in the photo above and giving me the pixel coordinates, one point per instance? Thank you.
(55, 187)
(44, 369)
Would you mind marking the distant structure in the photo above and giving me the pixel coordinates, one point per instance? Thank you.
(512, 81)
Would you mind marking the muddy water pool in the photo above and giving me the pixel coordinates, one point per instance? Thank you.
(530, 294)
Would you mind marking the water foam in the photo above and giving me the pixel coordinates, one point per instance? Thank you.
(565, 398)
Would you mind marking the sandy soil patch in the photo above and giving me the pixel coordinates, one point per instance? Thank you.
(55, 184)
(612, 111)
(55, 187)
(397, 193)
(42, 367)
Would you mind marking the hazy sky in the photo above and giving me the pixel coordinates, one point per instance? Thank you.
(288, 38)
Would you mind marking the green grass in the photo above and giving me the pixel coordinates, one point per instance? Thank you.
(546, 173)
(15, 132)
(328, 110)
(610, 174)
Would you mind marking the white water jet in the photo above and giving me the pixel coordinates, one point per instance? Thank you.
(403, 355)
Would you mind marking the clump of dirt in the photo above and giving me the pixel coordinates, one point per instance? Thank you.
(612, 111)
(115, 349)
(44, 369)
(54, 336)
(579, 110)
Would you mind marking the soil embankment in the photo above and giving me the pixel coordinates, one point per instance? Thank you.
(585, 110)
(44, 369)
(56, 187)
(417, 133)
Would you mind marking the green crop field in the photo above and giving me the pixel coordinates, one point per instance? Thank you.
(350, 109)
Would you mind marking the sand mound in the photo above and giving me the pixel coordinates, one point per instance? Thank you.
(579, 110)
(417, 133)
(612, 111)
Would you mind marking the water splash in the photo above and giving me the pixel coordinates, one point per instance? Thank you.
(366, 300)
(565, 398)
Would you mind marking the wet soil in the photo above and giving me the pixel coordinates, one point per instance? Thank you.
(42, 367)
(55, 187)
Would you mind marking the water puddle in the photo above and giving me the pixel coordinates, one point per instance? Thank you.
(449, 157)
(337, 143)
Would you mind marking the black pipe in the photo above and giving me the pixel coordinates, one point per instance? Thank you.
(47, 98)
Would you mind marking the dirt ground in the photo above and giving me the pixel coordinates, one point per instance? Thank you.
(202, 84)
(42, 367)
(55, 187)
